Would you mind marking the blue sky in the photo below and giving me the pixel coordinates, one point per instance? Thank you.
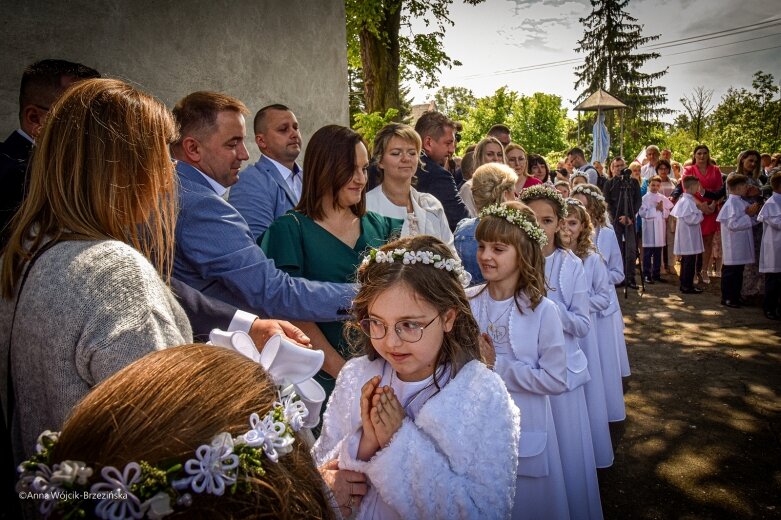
(500, 35)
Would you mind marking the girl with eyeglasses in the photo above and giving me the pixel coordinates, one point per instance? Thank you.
(420, 414)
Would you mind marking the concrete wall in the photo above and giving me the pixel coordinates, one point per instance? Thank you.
(260, 51)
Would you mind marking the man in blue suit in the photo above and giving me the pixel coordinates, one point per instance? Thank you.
(215, 250)
(438, 134)
(269, 188)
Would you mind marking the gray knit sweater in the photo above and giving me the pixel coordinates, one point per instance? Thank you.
(88, 309)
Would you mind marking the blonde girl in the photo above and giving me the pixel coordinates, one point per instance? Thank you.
(610, 322)
(401, 412)
(566, 281)
(525, 333)
(579, 229)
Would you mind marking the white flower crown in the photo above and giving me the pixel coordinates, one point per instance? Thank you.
(513, 216)
(543, 191)
(588, 191)
(142, 490)
(578, 173)
(408, 257)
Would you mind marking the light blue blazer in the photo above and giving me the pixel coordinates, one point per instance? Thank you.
(217, 255)
(261, 196)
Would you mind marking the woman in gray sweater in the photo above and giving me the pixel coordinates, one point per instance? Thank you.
(82, 280)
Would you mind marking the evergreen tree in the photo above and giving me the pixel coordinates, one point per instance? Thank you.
(612, 63)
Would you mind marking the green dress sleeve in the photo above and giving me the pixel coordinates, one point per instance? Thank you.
(283, 242)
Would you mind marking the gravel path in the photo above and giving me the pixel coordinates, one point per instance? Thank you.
(702, 438)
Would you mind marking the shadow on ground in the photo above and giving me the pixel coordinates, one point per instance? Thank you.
(702, 438)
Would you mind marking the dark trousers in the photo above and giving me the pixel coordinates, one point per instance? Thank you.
(627, 242)
(652, 262)
(731, 282)
(687, 271)
(772, 302)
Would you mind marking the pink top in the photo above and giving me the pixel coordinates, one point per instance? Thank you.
(531, 181)
(711, 181)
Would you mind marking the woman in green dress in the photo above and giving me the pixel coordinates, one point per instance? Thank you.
(324, 238)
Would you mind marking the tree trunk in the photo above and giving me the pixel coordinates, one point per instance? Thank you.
(380, 61)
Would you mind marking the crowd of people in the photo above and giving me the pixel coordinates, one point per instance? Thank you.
(394, 332)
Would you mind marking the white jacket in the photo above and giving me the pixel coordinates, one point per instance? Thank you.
(688, 233)
(770, 253)
(654, 221)
(458, 459)
(737, 236)
(429, 214)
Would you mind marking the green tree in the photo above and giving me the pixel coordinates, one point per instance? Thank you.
(613, 63)
(746, 119)
(386, 55)
(539, 123)
(454, 102)
(368, 125)
(486, 112)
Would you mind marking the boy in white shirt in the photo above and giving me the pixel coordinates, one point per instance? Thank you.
(770, 251)
(688, 234)
(737, 240)
(654, 211)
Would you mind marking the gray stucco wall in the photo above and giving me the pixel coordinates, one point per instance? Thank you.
(260, 51)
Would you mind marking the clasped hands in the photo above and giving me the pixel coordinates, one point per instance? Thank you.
(381, 417)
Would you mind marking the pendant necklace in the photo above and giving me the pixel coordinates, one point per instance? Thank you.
(497, 332)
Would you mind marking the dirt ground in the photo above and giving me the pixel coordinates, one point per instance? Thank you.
(702, 437)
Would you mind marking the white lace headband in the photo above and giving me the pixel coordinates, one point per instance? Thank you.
(408, 257)
(588, 191)
(142, 490)
(543, 191)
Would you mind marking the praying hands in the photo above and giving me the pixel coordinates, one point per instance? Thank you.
(381, 417)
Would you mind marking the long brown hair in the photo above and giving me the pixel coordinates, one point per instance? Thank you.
(161, 408)
(584, 246)
(531, 262)
(596, 208)
(329, 163)
(101, 170)
(439, 287)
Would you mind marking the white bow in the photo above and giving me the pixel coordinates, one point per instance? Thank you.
(287, 364)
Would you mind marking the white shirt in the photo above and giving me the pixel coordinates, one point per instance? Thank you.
(654, 221)
(688, 233)
(737, 237)
(25, 135)
(216, 186)
(647, 171)
(770, 251)
(293, 177)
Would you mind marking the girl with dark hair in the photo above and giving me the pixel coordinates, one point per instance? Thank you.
(325, 236)
(401, 413)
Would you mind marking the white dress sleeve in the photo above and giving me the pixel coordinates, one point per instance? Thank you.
(549, 375)
(575, 317)
(599, 294)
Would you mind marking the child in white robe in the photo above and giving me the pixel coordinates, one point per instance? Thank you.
(610, 322)
(579, 228)
(432, 428)
(688, 234)
(524, 329)
(566, 281)
(654, 211)
(737, 240)
(770, 252)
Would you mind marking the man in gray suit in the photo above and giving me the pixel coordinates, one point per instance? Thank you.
(269, 188)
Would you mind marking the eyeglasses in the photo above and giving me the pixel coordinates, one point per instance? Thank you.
(406, 330)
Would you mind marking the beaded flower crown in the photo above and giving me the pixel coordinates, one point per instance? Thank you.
(141, 489)
(513, 216)
(543, 191)
(408, 257)
(588, 191)
(227, 463)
